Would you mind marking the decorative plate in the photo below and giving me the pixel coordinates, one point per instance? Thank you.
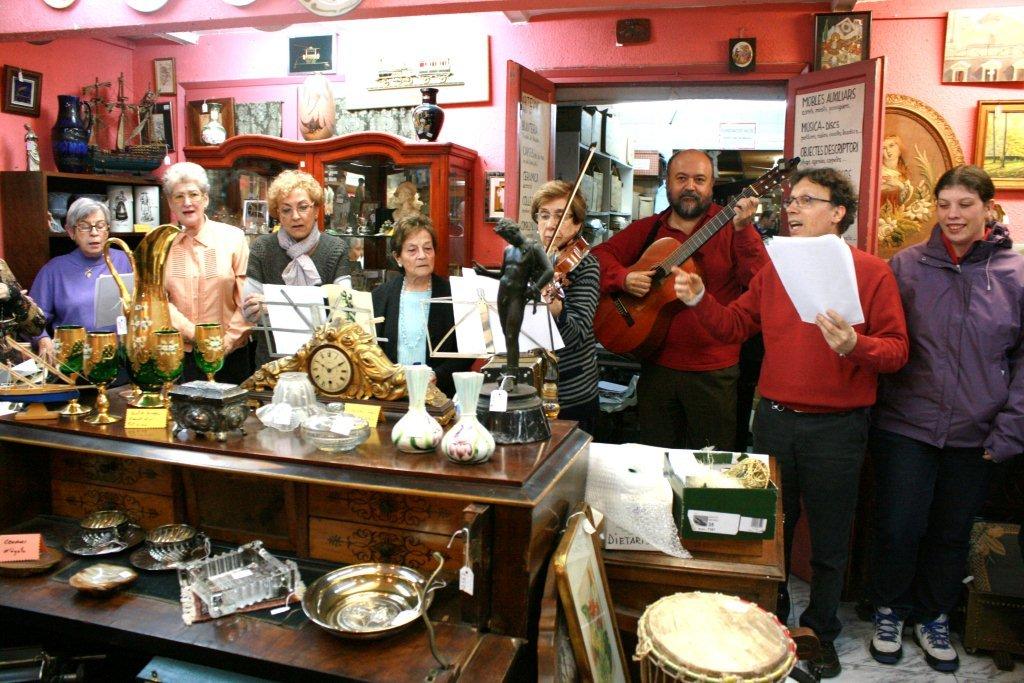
(76, 545)
(239, 3)
(145, 5)
(59, 4)
(141, 559)
(330, 8)
(102, 578)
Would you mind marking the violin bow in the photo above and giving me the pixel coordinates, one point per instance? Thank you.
(549, 249)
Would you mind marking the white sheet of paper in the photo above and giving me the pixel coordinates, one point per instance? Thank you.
(818, 274)
(108, 299)
(538, 330)
(351, 304)
(285, 317)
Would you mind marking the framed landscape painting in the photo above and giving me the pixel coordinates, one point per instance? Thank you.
(999, 144)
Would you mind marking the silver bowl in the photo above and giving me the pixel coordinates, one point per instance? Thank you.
(367, 601)
(103, 527)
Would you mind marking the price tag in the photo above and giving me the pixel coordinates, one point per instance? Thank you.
(145, 418)
(466, 580)
(20, 547)
(366, 411)
(122, 325)
(499, 401)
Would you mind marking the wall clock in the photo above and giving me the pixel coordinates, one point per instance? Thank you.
(330, 8)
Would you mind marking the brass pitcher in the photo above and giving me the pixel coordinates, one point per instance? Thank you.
(147, 310)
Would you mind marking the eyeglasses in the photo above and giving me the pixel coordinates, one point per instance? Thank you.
(98, 226)
(545, 216)
(287, 211)
(803, 201)
(180, 197)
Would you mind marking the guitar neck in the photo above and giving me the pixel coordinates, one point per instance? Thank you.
(701, 237)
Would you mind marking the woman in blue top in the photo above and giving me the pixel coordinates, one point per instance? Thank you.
(65, 288)
(401, 302)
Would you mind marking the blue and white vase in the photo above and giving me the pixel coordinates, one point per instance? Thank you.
(468, 442)
(417, 431)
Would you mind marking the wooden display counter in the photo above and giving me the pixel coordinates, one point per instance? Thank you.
(374, 504)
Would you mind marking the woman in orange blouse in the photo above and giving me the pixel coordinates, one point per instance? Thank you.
(205, 272)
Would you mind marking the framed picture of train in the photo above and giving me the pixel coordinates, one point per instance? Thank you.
(311, 54)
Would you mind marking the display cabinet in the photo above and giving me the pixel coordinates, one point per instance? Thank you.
(367, 177)
(25, 200)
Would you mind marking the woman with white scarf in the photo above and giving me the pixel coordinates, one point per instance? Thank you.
(297, 254)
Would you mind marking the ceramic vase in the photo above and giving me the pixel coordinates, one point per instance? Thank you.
(417, 431)
(427, 117)
(70, 135)
(213, 132)
(468, 442)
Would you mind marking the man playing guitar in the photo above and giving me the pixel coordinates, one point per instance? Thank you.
(686, 396)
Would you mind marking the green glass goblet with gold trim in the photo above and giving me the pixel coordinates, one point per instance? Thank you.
(68, 347)
(99, 364)
(169, 358)
(208, 349)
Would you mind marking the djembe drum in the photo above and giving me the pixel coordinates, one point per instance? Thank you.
(712, 637)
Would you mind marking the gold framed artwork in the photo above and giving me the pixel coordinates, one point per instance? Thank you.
(999, 142)
(495, 202)
(165, 76)
(918, 146)
(984, 45)
(841, 38)
(587, 602)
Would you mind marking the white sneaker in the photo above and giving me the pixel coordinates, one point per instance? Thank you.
(933, 637)
(887, 643)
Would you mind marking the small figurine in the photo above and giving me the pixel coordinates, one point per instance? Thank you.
(31, 149)
(525, 270)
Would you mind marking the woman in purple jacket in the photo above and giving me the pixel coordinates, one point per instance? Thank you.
(955, 407)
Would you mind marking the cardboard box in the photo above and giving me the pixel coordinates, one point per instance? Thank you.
(716, 513)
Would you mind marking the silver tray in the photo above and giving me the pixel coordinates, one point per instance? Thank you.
(142, 559)
(366, 601)
(76, 544)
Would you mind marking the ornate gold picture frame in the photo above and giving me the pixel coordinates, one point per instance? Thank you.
(999, 143)
(587, 602)
(918, 146)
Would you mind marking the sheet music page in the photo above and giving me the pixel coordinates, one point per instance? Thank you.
(818, 274)
(108, 299)
(282, 316)
(467, 292)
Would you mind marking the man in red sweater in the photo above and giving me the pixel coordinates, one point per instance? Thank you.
(817, 383)
(686, 397)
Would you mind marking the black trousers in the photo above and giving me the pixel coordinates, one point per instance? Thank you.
(926, 498)
(584, 413)
(819, 456)
(681, 409)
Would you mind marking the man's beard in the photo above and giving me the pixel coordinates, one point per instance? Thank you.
(698, 210)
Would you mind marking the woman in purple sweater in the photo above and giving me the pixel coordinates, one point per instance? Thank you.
(65, 288)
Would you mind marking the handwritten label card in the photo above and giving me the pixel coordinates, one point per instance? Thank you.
(145, 418)
(20, 547)
(366, 411)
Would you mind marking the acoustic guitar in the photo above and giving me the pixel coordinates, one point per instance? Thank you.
(625, 323)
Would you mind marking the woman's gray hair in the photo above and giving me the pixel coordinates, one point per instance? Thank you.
(83, 207)
(185, 172)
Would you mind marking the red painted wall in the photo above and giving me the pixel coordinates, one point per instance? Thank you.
(912, 47)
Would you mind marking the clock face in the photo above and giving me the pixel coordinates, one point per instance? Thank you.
(330, 370)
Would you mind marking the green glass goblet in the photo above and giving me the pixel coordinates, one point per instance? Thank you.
(99, 363)
(169, 357)
(208, 348)
(68, 346)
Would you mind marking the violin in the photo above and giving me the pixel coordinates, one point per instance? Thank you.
(564, 260)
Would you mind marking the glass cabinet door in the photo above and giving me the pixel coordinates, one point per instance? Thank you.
(238, 196)
(458, 249)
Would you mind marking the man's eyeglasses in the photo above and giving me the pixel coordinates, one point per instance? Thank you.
(287, 211)
(98, 226)
(803, 201)
(180, 197)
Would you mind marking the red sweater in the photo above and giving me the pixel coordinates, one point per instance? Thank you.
(727, 263)
(799, 369)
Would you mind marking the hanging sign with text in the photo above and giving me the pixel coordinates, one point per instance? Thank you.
(534, 149)
(828, 131)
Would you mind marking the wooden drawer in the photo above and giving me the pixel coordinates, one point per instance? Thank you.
(135, 475)
(75, 499)
(348, 543)
(433, 515)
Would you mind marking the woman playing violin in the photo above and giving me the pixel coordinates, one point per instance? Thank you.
(573, 308)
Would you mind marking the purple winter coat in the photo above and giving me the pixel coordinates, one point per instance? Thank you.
(963, 386)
